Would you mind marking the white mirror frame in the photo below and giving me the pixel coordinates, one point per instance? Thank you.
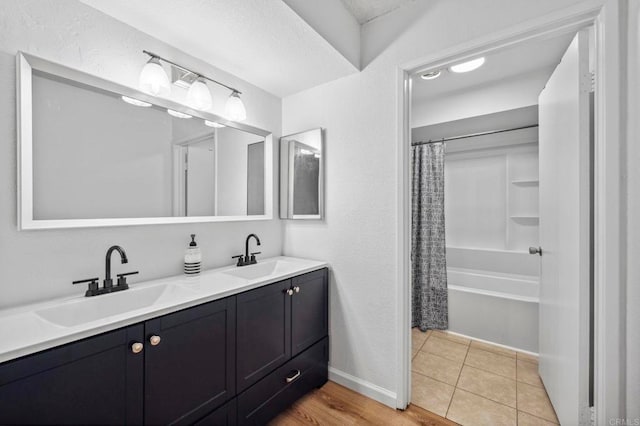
(286, 182)
(25, 65)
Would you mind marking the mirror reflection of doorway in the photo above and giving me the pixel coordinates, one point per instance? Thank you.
(255, 178)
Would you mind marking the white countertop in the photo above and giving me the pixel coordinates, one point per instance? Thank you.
(33, 328)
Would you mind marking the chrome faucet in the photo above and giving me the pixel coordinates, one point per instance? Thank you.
(248, 258)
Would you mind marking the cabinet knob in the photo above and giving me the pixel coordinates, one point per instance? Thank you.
(296, 289)
(290, 292)
(154, 340)
(137, 347)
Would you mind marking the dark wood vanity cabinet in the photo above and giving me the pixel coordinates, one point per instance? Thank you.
(190, 370)
(283, 347)
(309, 310)
(238, 360)
(264, 332)
(94, 381)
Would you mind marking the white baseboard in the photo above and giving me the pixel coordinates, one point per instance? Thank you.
(492, 343)
(368, 389)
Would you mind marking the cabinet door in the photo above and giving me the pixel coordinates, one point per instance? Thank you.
(190, 371)
(309, 310)
(94, 381)
(264, 332)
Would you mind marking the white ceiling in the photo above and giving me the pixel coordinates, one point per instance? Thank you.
(261, 41)
(367, 10)
(502, 65)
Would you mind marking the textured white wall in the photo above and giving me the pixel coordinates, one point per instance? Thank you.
(358, 236)
(38, 265)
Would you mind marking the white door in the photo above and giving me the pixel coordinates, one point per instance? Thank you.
(564, 233)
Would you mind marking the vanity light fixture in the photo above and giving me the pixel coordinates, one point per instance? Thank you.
(135, 102)
(213, 124)
(153, 79)
(234, 109)
(198, 96)
(178, 114)
(431, 75)
(471, 65)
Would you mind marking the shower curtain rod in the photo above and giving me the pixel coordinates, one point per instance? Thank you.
(453, 138)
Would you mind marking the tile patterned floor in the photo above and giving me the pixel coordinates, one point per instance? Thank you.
(474, 383)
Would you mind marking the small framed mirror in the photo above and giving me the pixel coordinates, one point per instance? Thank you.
(302, 175)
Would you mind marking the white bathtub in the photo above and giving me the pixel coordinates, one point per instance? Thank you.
(493, 296)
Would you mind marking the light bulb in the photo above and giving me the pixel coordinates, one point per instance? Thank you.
(198, 96)
(234, 109)
(153, 79)
(213, 124)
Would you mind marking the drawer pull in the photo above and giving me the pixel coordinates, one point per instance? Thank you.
(137, 347)
(154, 340)
(296, 289)
(292, 378)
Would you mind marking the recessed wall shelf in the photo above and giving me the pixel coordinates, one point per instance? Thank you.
(526, 182)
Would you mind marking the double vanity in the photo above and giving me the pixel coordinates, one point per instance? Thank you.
(231, 346)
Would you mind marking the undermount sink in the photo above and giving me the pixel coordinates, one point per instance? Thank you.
(85, 310)
(259, 270)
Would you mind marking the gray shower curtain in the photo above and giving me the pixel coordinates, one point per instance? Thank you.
(428, 251)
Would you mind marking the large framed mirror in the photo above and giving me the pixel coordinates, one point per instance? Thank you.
(302, 175)
(96, 153)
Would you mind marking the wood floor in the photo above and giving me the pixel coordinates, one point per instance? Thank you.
(336, 405)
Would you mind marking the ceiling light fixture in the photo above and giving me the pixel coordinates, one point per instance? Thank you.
(178, 114)
(199, 97)
(135, 102)
(153, 79)
(431, 75)
(468, 66)
(213, 124)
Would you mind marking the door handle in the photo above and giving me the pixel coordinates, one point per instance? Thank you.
(292, 378)
(535, 250)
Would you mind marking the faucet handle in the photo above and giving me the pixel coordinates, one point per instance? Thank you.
(92, 289)
(253, 260)
(122, 279)
(240, 259)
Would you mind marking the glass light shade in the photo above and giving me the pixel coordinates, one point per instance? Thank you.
(153, 79)
(135, 102)
(213, 124)
(234, 109)
(178, 114)
(468, 66)
(199, 96)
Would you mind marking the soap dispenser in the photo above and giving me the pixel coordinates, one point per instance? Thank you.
(192, 258)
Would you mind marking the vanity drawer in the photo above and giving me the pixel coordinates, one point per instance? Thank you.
(277, 391)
